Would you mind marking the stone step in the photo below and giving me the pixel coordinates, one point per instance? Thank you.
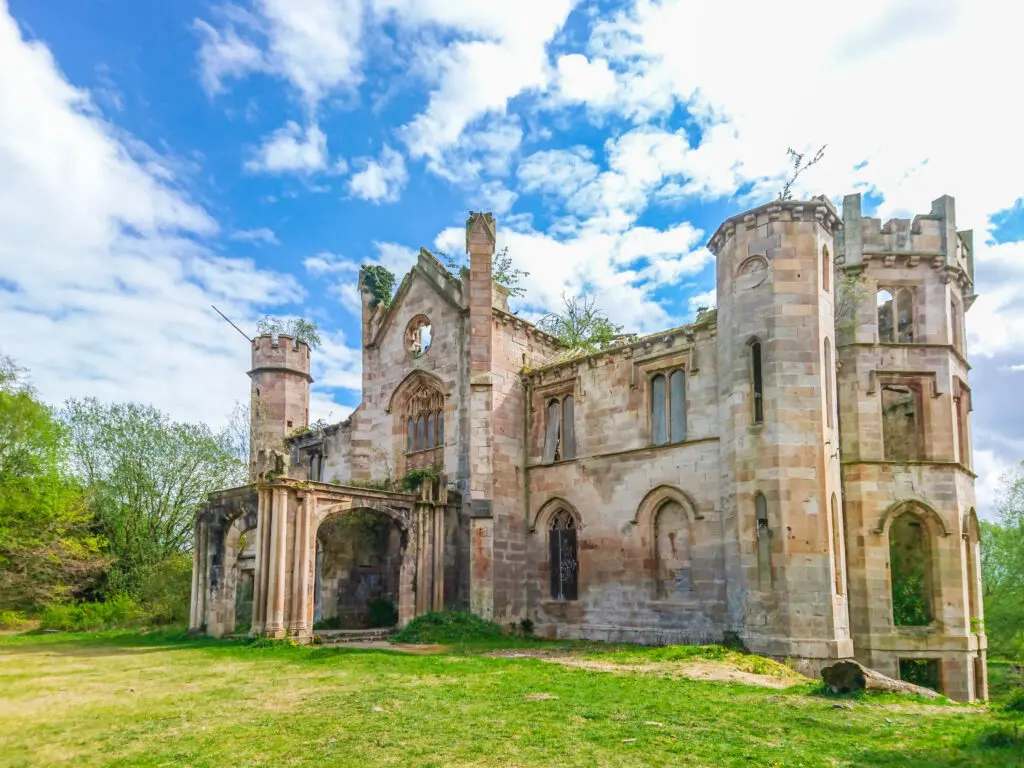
(340, 636)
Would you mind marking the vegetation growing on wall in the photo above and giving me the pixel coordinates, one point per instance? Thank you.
(380, 282)
(503, 271)
(298, 328)
(581, 324)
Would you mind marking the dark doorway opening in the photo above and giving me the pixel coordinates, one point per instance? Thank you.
(923, 672)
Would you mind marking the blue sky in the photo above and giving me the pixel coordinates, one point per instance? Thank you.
(157, 158)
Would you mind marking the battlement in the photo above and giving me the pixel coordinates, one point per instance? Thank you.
(281, 354)
(932, 236)
(817, 209)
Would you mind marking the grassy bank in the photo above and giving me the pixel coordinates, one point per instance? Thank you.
(125, 699)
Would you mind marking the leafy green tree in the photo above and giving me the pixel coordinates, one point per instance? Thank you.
(1002, 565)
(298, 328)
(581, 324)
(145, 477)
(47, 551)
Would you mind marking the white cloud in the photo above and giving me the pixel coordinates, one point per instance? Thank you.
(115, 301)
(501, 53)
(259, 236)
(289, 149)
(379, 181)
(705, 299)
(315, 45)
(325, 263)
(557, 171)
(586, 80)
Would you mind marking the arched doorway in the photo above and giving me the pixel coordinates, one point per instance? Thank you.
(358, 569)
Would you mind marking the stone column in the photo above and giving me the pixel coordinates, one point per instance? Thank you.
(298, 620)
(438, 559)
(193, 614)
(276, 563)
(259, 591)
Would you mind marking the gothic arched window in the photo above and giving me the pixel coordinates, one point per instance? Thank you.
(563, 559)
(668, 407)
(424, 420)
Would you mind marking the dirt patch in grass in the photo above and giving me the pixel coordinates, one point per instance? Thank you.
(741, 669)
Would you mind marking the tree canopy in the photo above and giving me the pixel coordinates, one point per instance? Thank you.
(47, 550)
(298, 328)
(1002, 565)
(580, 324)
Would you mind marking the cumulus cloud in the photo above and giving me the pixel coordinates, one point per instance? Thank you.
(380, 180)
(258, 236)
(290, 149)
(115, 301)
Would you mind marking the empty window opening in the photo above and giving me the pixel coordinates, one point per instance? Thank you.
(673, 551)
(563, 558)
(668, 408)
(895, 316)
(923, 672)
(764, 542)
(910, 568)
(901, 422)
(419, 336)
(757, 383)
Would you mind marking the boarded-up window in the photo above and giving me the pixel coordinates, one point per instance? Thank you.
(677, 406)
(910, 567)
(568, 428)
(552, 433)
(431, 427)
(764, 542)
(563, 559)
(757, 382)
(659, 432)
(901, 422)
(838, 547)
(829, 371)
(673, 551)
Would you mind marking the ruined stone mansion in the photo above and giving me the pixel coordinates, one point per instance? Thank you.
(791, 471)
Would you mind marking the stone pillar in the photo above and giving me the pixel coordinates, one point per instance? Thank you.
(259, 585)
(193, 615)
(276, 563)
(299, 620)
(438, 558)
(480, 243)
(407, 578)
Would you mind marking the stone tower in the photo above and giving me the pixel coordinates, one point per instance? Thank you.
(280, 395)
(782, 496)
(915, 586)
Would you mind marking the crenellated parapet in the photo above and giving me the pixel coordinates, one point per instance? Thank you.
(283, 353)
(818, 209)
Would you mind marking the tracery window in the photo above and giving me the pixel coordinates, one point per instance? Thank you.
(563, 559)
(668, 407)
(895, 315)
(425, 420)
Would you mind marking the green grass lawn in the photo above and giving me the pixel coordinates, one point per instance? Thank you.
(122, 699)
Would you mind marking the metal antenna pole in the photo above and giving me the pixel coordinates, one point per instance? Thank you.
(232, 324)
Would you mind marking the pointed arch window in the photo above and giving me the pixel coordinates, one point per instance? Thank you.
(668, 407)
(910, 571)
(424, 420)
(563, 559)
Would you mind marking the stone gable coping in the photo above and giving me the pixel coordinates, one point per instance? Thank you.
(644, 348)
(436, 275)
(531, 330)
(818, 209)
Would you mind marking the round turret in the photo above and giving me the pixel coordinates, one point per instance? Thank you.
(280, 393)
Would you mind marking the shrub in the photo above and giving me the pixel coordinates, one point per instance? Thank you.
(1016, 701)
(1001, 738)
(13, 620)
(117, 612)
(447, 627)
(382, 613)
(164, 590)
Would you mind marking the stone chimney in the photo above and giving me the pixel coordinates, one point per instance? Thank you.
(480, 237)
